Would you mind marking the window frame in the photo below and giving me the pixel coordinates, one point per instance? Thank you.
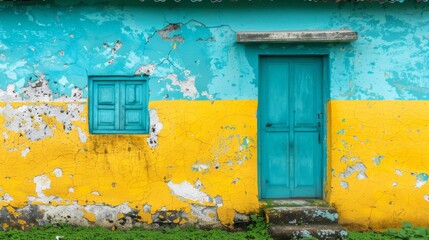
(117, 78)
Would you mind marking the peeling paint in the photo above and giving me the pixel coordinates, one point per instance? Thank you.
(58, 172)
(421, 179)
(6, 198)
(187, 86)
(377, 159)
(42, 183)
(357, 167)
(146, 70)
(155, 128)
(29, 119)
(187, 191)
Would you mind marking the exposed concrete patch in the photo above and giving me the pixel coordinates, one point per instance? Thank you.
(107, 215)
(204, 213)
(116, 47)
(10, 95)
(28, 119)
(38, 90)
(71, 214)
(6, 198)
(187, 87)
(358, 167)
(42, 183)
(169, 217)
(155, 128)
(146, 70)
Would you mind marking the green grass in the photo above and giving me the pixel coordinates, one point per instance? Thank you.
(81, 233)
(257, 230)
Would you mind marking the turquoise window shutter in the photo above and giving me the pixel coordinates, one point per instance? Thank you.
(118, 105)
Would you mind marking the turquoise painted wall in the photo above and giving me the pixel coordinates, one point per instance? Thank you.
(192, 46)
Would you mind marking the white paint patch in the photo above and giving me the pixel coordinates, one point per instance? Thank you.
(96, 193)
(42, 183)
(394, 184)
(82, 135)
(155, 128)
(344, 184)
(5, 136)
(358, 167)
(25, 152)
(200, 167)
(398, 172)
(426, 197)
(188, 191)
(6, 198)
(420, 183)
(71, 190)
(187, 87)
(146, 70)
(58, 172)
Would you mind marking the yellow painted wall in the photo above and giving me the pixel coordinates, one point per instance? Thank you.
(378, 162)
(206, 148)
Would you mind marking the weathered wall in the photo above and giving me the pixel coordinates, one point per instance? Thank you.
(199, 163)
(379, 162)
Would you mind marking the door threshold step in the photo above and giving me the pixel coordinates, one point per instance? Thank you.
(301, 215)
(318, 231)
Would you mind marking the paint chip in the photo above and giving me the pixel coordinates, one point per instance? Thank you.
(344, 184)
(25, 152)
(421, 179)
(188, 191)
(58, 172)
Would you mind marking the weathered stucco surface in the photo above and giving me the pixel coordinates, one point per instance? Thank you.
(199, 162)
(123, 179)
(378, 169)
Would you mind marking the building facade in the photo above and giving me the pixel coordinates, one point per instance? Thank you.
(148, 112)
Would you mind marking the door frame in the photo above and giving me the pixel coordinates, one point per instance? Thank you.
(254, 52)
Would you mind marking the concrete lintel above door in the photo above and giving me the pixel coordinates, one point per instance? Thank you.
(307, 36)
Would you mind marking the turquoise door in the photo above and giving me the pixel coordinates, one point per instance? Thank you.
(290, 115)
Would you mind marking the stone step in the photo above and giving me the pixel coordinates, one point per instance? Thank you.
(298, 215)
(318, 231)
